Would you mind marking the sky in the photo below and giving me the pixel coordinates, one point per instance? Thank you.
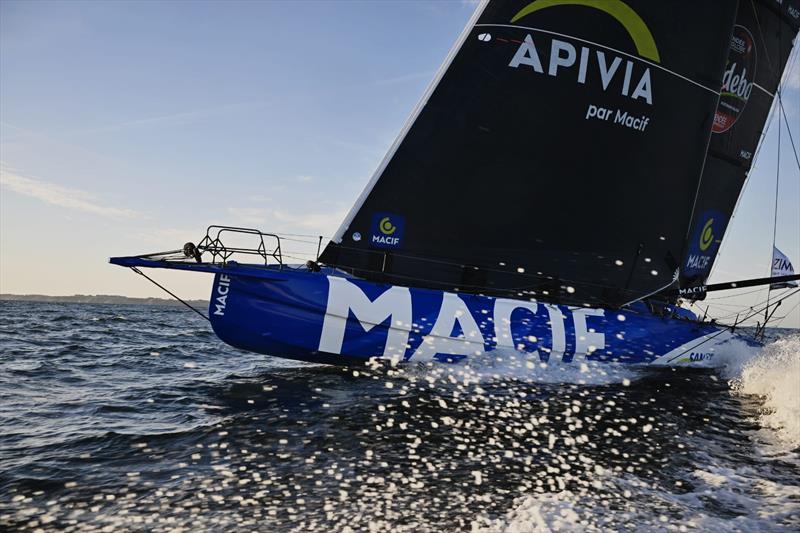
(128, 127)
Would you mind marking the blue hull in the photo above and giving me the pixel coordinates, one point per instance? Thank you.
(330, 318)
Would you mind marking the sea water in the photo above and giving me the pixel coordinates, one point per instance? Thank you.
(138, 418)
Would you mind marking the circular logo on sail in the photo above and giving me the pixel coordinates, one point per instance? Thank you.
(737, 82)
(387, 230)
(707, 235)
(704, 242)
(386, 226)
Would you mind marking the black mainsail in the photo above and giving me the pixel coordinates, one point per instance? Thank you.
(759, 48)
(558, 152)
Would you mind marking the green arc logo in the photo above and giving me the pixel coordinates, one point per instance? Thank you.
(386, 226)
(632, 22)
(707, 235)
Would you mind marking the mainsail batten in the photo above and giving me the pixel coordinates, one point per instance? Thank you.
(544, 164)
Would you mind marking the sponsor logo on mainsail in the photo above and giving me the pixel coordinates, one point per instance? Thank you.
(737, 84)
(704, 242)
(627, 17)
(614, 73)
(564, 55)
(387, 230)
(386, 226)
(707, 235)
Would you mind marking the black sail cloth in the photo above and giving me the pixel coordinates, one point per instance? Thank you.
(558, 154)
(760, 45)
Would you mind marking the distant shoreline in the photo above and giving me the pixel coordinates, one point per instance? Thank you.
(96, 299)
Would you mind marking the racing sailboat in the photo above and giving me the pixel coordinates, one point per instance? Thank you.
(567, 177)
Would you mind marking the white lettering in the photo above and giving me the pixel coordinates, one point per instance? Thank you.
(381, 239)
(439, 341)
(697, 261)
(503, 309)
(587, 340)
(223, 287)
(606, 73)
(527, 55)
(345, 297)
(582, 65)
(736, 84)
(557, 60)
(597, 112)
(557, 329)
(626, 82)
(563, 55)
(643, 88)
(629, 121)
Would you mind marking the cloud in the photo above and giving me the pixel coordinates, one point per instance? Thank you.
(284, 221)
(316, 223)
(53, 194)
(405, 78)
(180, 117)
(168, 238)
(298, 229)
(248, 216)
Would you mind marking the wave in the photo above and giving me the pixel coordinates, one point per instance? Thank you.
(715, 498)
(774, 376)
(116, 318)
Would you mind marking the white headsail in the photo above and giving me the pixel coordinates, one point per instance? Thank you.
(781, 266)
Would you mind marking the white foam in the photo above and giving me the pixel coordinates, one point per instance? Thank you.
(505, 364)
(622, 501)
(540, 514)
(774, 376)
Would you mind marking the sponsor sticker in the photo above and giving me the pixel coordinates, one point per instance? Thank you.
(737, 82)
(387, 230)
(705, 239)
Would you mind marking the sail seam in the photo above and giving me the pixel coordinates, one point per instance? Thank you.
(633, 56)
